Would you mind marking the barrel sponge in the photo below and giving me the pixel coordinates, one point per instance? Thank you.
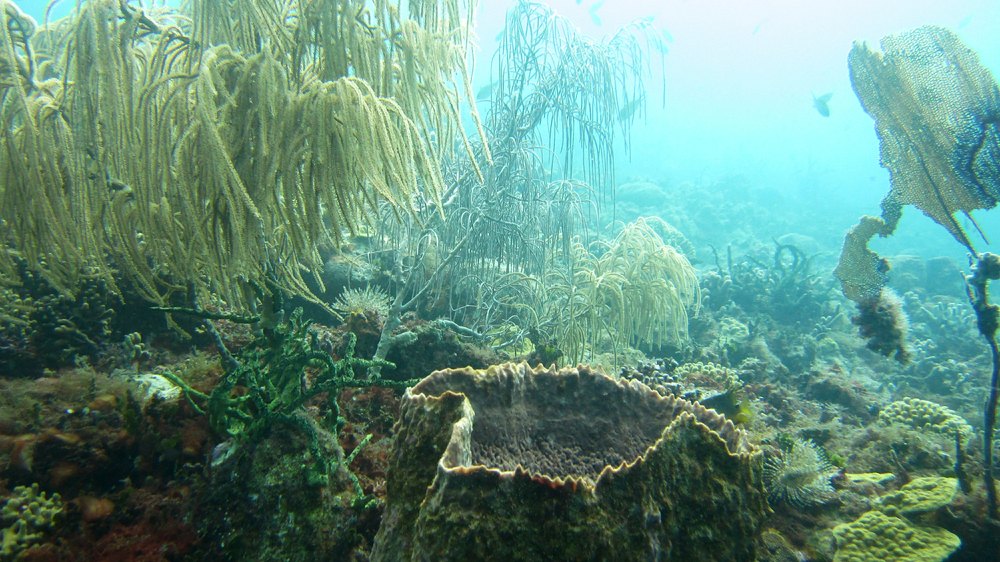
(521, 463)
(880, 537)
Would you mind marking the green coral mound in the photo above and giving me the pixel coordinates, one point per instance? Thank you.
(880, 537)
(927, 415)
(920, 495)
(28, 514)
(883, 535)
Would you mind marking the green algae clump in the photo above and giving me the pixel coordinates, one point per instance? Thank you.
(515, 463)
(880, 537)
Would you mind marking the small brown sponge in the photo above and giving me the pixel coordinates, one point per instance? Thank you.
(515, 463)
(879, 537)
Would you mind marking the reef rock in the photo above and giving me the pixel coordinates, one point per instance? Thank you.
(515, 463)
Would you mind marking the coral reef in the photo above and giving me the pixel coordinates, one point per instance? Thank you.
(775, 547)
(41, 327)
(692, 381)
(883, 323)
(517, 463)
(265, 503)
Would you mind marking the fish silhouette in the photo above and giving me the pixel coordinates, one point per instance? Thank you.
(822, 103)
(629, 110)
(593, 12)
(486, 91)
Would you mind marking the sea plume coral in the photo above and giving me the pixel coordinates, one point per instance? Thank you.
(800, 475)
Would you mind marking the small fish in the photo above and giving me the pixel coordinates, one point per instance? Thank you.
(965, 22)
(486, 91)
(732, 403)
(822, 103)
(629, 109)
(593, 12)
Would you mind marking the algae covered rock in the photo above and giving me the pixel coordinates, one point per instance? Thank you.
(515, 463)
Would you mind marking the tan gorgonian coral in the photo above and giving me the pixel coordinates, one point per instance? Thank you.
(634, 289)
(223, 147)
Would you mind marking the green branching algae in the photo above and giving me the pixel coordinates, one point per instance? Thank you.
(273, 379)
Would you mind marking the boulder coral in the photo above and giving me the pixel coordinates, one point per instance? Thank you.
(880, 537)
(886, 534)
(521, 463)
(926, 415)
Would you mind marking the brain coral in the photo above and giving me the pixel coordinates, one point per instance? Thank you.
(879, 537)
(515, 463)
(921, 494)
(924, 414)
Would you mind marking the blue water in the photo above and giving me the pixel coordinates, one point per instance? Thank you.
(740, 79)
